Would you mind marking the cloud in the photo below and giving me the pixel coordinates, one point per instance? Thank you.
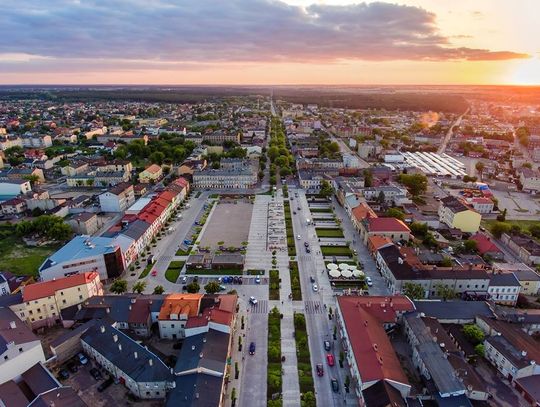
(168, 32)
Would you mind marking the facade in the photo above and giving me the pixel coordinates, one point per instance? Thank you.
(530, 180)
(455, 214)
(14, 206)
(44, 301)
(219, 137)
(117, 199)
(84, 254)
(20, 349)
(85, 223)
(11, 187)
(153, 173)
(482, 205)
(392, 228)
(523, 246)
(175, 312)
(504, 288)
(225, 179)
(141, 371)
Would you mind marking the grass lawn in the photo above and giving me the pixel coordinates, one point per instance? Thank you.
(220, 272)
(213, 196)
(295, 281)
(146, 271)
(19, 258)
(336, 251)
(329, 232)
(173, 272)
(274, 285)
(305, 376)
(184, 252)
(320, 210)
(523, 224)
(274, 379)
(198, 194)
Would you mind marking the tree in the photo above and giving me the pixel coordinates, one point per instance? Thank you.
(308, 399)
(139, 287)
(33, 178)
(395, 213)
(445, 292)
(415, 183)
(480, 349)
(467, 178)
(473, 333)
(499, 228)
(212, 287)
(502, 216)
(158, 290)
(419, 229)
(326, 189)
(193, 287)
(527, 165)
(446, 261)
(480, 167)
(414, 291)
(470, 246)
(157, 157)
(119, 286)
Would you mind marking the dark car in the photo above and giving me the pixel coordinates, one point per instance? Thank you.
(306, 244)
(335, 385)
(252, 348)
(307, 250)
(105, 384)
(326, 345)
(72, 367)
(63, 374)
(320, 370)
(311, 279)
(95, 373)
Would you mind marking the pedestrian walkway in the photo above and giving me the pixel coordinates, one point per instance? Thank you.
(313, 307)
(258, 257)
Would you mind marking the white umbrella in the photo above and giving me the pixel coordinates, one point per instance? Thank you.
(352, 267)
(332, 266)
(343, 266)
(347, 273)
(334, 273)
(357, 273)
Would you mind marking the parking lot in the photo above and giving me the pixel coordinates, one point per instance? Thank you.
(518, 204)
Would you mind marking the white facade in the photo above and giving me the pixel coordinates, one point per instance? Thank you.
(110, 202)
(14, 188)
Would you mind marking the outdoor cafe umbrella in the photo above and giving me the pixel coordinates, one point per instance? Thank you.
(334, 273)
(332, 266)
(347, 273)
(357, 273)
(343, 266)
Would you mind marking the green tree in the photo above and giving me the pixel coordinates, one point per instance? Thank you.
(158, 290)
(419, 229)
(480, 166)
(473, 333)
(308, 399)
(193, 287)
(212, 287)
(470, 246)
(395, 213)
(415, 183)
(414, 291)
(480, 349)
(445, 292)
(157, 157)
(499, 228)
(446, 261)
(139, 287)
(119, 286)
(33, 178)
(326, 189)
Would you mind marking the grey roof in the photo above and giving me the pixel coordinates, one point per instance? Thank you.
(136, 229)
(504, 280)
(457, 309)
(60, 397)
(11, 299)
(195, 390)
(207, 350)
(20, 334)
(39, 379)
(145, 368)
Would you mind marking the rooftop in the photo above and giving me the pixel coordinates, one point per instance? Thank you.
(49, 288)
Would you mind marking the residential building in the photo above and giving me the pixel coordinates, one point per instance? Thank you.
(85, 254)
(529, 386)
(137, 368)
(98, 179)
(504, 288)
(454, 213)
(20, 349)
(529, 179)
(482, 205)
(392, 228)
(151, 174)
(486, 247)
(527, 277)
(523, 246)
(454, 311)
(13, 206)
(118, 198)
(391, 195)
(44, 301)
(74, 168)
(4, 285)
(360, 213)
(175, 312)
(219, 137)
(85, 223)
(242, 178)
(12, 187)
(362, 322)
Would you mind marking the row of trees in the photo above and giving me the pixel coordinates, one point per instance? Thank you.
(49, 226)
(120, 286)
(170, 148)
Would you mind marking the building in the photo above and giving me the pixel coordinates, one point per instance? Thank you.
(523, 246)
(85, 223)
(151, 174)
(14, 206)
(454, 213)
(44, 301)
(20, 349)
(392, 228)
(482, 205)
(118, 198)
(486, 247)
(362, 322)
(12, 187)
(240, 178)
(74, 168)
(527, 277)
(529, 179)
(98, 179)
(504, 288)
(391, 195)
(529, 387)
(219, 137)
(85, 254)
(454, 311)
(175, 312)
(141, 371)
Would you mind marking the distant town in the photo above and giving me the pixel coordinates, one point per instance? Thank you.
(256, 250)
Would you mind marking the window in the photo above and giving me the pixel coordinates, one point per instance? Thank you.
(33, 319)
(61, 293)
(39, 310)
(172, 325)
(80, 297)
(63, 301)
(40, 317)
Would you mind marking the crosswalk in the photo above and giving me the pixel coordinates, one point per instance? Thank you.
(260, 308)
(314, 307)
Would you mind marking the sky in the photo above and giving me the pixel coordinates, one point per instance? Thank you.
(270, 42)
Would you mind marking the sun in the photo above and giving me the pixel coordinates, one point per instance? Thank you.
(526, 72)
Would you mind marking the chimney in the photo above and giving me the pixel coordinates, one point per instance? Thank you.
(129, 307)
(108, 310)
(204, 340)
(150, 362)
(115, 338)
(192, 347)
(135, 355)
(201, 355)
(102, 329)
(523, 353)
(13, 325)
(120, 347)
(79, 307)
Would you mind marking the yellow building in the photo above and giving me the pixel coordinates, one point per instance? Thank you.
(151, 174)
(44, 301)
(454, 213)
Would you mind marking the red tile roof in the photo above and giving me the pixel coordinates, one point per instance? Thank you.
(484, 244)
(372, 350)
(363, 211)
(387, 225)
(48, 288)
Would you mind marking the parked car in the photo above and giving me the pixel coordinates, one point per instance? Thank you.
(311, 279)
(298, 237)
(330, 359)
(222, 287)
(320, 370)
(335, 385)
(298, 209)
(252, 348)
(307, 250)
(369, 282)
(315, 287)
(253, 300)
(306, 244)
(257, 280)
(83, 359)
(63, 374)
(183, 280)
(294, 212)
(105, 384)
(153, 273)
(326, 345)
(95, 373)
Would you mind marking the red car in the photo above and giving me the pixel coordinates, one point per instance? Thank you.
(320, 370)
(154, 273)
(330, 359)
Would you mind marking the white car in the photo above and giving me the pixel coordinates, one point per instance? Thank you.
(369, 282)
(298, 237)
(315, 287)
(253, 300)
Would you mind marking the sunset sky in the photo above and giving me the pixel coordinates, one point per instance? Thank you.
(269, 42)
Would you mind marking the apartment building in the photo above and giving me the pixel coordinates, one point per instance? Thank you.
(454, 213)
(153, 173)
(118, 198)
